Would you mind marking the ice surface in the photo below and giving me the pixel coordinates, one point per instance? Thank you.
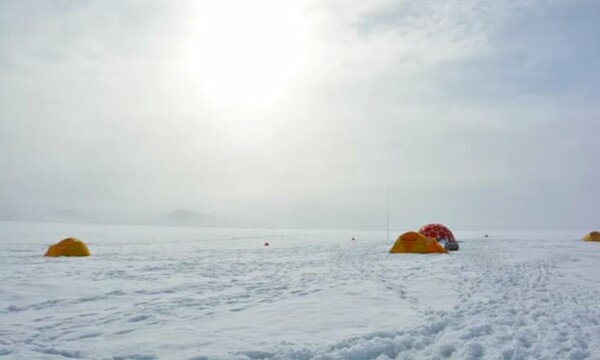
(189, 293)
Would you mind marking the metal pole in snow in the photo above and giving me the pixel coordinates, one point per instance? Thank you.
(388, 214)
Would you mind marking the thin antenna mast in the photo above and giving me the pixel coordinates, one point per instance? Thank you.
(388, 214)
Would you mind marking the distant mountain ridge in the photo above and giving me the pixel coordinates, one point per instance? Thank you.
(186, 217)
(178, 217)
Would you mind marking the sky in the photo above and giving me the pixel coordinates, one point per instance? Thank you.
(302, 114)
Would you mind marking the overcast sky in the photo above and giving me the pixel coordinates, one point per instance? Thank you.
(477, 114)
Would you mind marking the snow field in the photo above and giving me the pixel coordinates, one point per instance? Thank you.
(185, 293)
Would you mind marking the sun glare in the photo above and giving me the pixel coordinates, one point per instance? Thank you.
(248, 51)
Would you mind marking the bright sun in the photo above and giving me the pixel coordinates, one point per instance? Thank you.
(249, 51)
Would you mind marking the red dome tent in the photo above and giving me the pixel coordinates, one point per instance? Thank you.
(441, 233)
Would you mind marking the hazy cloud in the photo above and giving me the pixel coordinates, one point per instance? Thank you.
(302, 114)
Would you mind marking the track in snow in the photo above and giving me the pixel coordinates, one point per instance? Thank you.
(514, 302)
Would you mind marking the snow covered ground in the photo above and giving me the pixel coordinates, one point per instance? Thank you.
(187, 293)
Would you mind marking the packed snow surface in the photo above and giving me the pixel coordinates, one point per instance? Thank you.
(190, 293)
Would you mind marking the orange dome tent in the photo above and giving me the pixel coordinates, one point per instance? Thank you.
(68, 247)
(413, 242)
(593, 236)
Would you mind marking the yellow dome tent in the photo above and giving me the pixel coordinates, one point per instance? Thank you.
(593, 236)
(68, 247)
(413, 242)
